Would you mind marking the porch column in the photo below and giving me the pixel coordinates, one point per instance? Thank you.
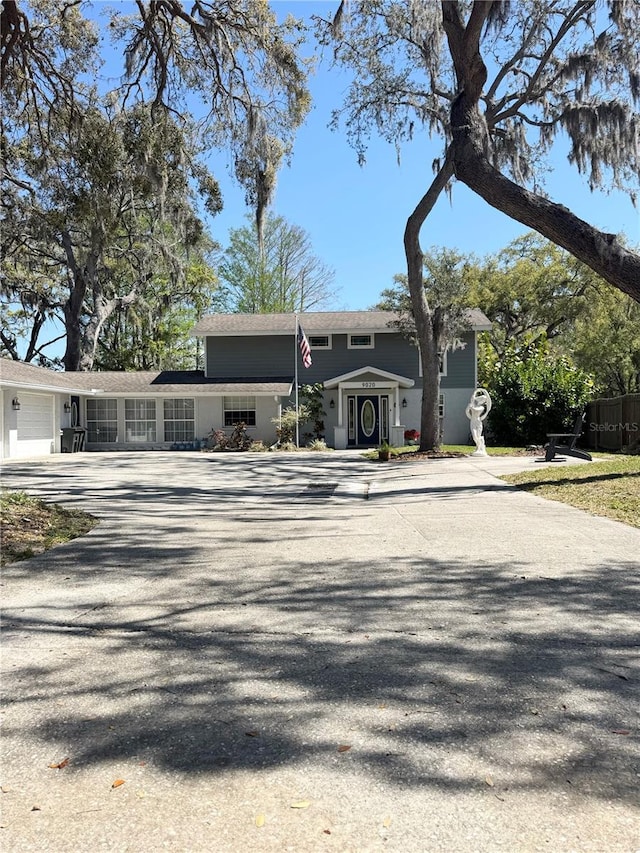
(339, 390)
(396, 406)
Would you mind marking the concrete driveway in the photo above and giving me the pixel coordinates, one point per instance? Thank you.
(314, 652)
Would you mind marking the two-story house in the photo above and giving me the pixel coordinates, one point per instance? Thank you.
(371, 376)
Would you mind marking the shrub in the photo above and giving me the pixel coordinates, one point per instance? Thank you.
(534, 392)
(312, 397)
(286, 423)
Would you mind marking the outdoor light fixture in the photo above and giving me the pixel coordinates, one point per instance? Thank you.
(332, 404)
(404, 402)
(67, 408)
(15, 404)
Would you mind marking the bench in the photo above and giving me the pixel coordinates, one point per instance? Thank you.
(568, 448)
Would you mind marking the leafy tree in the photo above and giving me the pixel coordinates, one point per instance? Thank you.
(245, 67)
(535, 392)
(605, 341)
(498, 82)
(531, 290)
(46, 48)
(282, 275)
(154, 332)
(103, 206)
(242, 64)
(446, 285)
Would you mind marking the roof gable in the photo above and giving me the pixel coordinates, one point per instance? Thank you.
(369, 374)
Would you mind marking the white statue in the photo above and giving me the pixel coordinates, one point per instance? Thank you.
(477, 410)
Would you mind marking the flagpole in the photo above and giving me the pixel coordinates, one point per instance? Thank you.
(295, 350)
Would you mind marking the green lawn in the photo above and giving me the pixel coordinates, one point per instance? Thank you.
(610, 488)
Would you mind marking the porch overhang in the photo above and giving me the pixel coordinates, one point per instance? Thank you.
(368, 378)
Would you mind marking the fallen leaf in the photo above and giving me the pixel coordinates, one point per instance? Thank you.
(386, 822)
(141, 794)
(489, 781)
(621, 731)
(327, 831)
(260, 820)
(535, 712)
(117, 783)
(344, 747)
(381, 706)
(252, 734)
(60, 764)
(301, 804)
(36, 809)
(5, 790)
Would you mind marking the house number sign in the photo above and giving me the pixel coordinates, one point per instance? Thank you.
(369, 384)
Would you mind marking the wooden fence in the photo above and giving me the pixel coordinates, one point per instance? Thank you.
(613, 423)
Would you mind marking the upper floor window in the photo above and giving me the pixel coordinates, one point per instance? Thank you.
(319, 341)
(360, 342)
(442, 362)
(240, 410)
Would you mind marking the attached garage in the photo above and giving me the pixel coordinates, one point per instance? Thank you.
(35, 434)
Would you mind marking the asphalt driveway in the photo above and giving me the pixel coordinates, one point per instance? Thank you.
(314, 652)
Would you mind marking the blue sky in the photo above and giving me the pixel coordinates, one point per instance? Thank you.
(356, 215)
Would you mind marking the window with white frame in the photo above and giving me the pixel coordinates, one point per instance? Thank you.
(319, 341)
(179, 419)
(102, 420)
(441, 406)
(140, 421)
(442, 362)
(239, 409)
(360, 342)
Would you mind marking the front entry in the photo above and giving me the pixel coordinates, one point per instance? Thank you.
(368, 418)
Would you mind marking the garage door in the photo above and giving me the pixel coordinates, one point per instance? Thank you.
(35, 424)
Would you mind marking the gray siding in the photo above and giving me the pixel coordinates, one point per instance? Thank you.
(273, 355)
(461, 365)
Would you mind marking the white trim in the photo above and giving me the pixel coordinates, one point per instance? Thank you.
(475, 359)
(48, 389)
(370, 345)
(444, 359)
(376, 371)
(313, 346)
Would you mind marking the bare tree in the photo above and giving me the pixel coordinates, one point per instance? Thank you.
(281, 276)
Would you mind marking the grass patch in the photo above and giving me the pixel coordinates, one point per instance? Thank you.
(31, 526)
(465, 449)
(610, 488)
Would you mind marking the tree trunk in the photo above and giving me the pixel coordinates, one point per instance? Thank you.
(422, 313)
(470, 150)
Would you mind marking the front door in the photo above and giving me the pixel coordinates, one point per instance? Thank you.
(367, 419)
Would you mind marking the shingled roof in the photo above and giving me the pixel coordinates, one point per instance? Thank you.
(314, 322)
(181, 382)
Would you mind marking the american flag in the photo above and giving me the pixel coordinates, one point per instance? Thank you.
(305, 349)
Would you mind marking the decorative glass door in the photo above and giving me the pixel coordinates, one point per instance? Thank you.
(368, 420)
